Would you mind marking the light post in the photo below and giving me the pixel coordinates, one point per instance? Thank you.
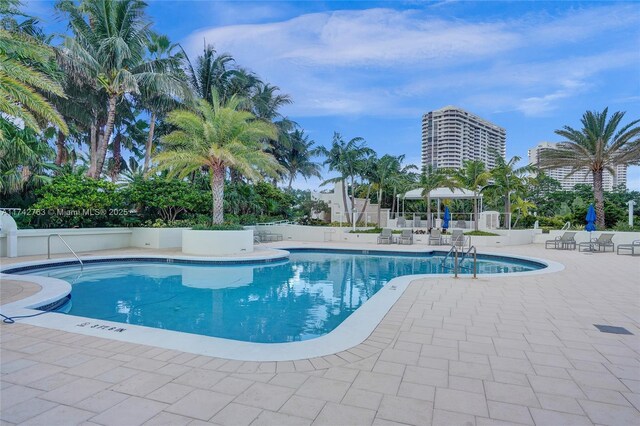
(353, 221)
(631, 203)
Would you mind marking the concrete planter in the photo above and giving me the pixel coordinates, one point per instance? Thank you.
(217, 243)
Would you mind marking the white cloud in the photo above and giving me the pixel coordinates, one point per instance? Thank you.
(384, 61)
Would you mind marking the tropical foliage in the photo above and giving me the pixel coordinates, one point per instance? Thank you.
(217, 136)
(600, 145)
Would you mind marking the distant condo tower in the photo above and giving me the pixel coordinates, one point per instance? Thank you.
(451, 135)
(583, 176)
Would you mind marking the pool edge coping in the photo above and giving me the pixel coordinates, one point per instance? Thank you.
(353, 331)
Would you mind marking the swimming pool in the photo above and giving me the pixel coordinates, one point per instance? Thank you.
(301, 298)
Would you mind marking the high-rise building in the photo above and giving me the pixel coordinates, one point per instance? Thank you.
(451, 135)
(584, 176)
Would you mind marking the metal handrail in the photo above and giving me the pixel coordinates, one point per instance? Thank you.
(566, 226)
(65, 243)
(453, 248)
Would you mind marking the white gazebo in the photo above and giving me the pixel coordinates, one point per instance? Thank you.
(441, 194)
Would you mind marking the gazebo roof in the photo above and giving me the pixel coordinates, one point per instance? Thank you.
(440, 193)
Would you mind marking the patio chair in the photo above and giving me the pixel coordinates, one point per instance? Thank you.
(458, 238)
(435, 238)
(406, 237)
(632, 248)
(385, 237)
(564, 242)
(598, 244)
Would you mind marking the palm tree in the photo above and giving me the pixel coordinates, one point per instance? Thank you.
(25, 158)
(217, 136)
(597, 147)
(472, 176)
(107, 50)
(384, 169)
(297, 159)
(521, 206)
(26, 74)
(344, 158)
(431, 179)
(211, 73)
(507, 179)
(157, 101)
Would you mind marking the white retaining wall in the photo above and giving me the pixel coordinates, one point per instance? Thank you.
(157, 238)
(34, 241)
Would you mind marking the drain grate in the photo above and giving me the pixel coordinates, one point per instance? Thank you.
(612, 329)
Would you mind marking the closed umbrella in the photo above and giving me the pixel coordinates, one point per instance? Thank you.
(591, 219)
(446, 218)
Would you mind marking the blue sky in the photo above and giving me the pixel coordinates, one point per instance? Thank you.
(371, 69)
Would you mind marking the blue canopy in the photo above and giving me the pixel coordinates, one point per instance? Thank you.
(591, 218)
(446, 218)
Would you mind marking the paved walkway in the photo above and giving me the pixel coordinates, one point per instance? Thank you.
(450, 352)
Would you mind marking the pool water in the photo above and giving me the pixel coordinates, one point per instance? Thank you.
(301, 298)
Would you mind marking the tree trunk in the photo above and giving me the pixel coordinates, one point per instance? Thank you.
(598, 193)
(429, 225)
(103, 143)
(61, 149)
(149, 146)
(290, 181)
(93, 148)
(379, 205)
(217, 193)
(117, 157)
(353, 198)
(507, 210)
(366, 203)
(344, 200)
(393, 200)
(475, 210)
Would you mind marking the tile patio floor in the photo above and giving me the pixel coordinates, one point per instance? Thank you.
(450, 352)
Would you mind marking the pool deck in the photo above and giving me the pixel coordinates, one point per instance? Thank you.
(499, 350)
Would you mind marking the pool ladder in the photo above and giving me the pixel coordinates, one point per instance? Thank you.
(65, 243)
(457, 263)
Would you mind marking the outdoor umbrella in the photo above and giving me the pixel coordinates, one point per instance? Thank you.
(446, 218)
(591, 218)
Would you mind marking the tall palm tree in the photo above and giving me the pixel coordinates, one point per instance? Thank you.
(597, 147)
(384, 168)
(154, 99)
(26, 75)
(431, 179)
(210, 73)
(507, 179)
(217, 136)
(108, 51)
(472, 176)
(344, 158)
(297, 159)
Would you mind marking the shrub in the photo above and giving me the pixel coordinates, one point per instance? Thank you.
(78, 201)
(166, 198)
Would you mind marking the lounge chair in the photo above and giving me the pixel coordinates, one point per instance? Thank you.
(458, 238)
(406, 237)
(385, 237)
(598, 244)
(564, 242)
(633, 248)
(435, 238)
